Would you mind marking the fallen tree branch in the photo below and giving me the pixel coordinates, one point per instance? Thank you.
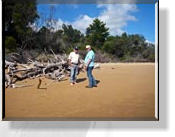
(56, 71)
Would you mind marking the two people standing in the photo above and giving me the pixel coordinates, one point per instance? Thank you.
(74, 60)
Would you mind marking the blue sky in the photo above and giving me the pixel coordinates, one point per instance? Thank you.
(130, 18)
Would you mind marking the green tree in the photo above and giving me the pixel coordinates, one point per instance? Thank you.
(116, 45)
(10, 43)
(96, 33)
(136, 44)
(19, 15)
(71, 36)
(109, 45)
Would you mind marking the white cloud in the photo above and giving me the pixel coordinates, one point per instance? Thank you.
(150, 42)
(82, 23)
(116, 17)
(34, 26)
(56, 24)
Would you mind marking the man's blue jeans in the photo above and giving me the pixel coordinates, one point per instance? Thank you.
(92, 81)
(74, 71)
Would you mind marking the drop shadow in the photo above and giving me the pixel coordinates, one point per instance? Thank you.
(50, 125)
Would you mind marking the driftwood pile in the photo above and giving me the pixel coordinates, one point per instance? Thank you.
(55, 70)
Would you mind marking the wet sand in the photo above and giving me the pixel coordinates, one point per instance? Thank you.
(125, 90)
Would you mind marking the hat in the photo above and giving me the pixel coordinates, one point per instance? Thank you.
(76, 48)
(88, 46)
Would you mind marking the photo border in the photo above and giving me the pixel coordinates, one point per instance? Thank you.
(83, 119)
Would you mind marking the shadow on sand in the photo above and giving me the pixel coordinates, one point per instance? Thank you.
(81, 80)
(97, 81)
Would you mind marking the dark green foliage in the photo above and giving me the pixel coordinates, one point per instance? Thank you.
(18, 15)
(97, 33)
(70, 34)
(129, 48)
(10, 43)
(149, 52)
(72, 37)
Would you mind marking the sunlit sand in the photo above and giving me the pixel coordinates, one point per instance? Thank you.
(125, 90)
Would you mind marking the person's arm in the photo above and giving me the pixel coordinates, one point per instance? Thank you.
(89, 61)
(87, 64)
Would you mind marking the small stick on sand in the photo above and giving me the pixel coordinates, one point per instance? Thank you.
(39, 84)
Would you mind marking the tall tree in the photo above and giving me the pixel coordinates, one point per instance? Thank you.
(96, 33)
(71, 36)
(19, 14)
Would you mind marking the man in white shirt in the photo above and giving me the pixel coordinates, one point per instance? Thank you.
(74, 59)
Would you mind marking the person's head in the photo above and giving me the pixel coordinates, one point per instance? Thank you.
(76, 49)
(88, 47)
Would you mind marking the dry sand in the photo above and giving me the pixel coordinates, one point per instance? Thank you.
(125, 90)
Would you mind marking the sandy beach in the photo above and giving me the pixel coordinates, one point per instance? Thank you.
(125, 90)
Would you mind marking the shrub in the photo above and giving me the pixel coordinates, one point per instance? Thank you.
(10, 43)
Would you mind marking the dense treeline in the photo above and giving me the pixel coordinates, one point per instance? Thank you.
(19, 35)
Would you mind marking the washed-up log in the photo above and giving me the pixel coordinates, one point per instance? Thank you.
(11, 64)
(25, 66)
(56, 71)
(56, 75)
(19, 70)
(52, 67)
(8, 80)
(29, 75)
(20, 86)
(38, 64)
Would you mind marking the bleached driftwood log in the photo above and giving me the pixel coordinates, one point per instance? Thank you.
(8, 80)
(55, 70)
(11, 64)
(19, 86)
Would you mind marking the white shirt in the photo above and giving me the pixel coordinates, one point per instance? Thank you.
(74, 57)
